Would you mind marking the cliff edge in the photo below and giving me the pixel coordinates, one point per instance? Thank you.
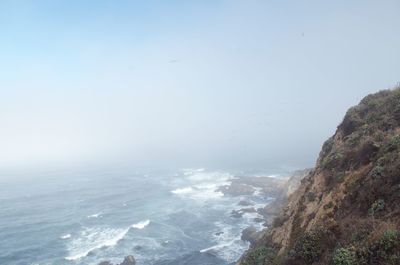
(347, 210)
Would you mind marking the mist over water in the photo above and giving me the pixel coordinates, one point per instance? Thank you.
(84, 216)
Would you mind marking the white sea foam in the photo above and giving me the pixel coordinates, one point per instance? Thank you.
(203, 185)
(216, 247)
(141, 224)
(183, 190)
(96, 238)
(268, 176)
(257, 191)
(191, 171)
(199, 192)
(94, 215)
(66, 236)
(228, 245)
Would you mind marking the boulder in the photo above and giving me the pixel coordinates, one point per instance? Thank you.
(105, 263)
(245, 203)
(129, 260)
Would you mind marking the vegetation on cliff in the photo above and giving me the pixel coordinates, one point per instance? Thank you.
(347, 210)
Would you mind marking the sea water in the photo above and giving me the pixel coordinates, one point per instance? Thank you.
(72, 217)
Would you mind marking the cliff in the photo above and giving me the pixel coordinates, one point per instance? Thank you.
(347, 209)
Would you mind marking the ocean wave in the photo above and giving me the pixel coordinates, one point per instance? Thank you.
(200, 193)
(203, 185)
(228, 244)
(97, 238)
(66, 236)
(141, 224)
(191, 171)
(218, 247)
(216, 177)
(229, 251)
(94, 215)
(258, 191)
(182, 190)
(274, 176)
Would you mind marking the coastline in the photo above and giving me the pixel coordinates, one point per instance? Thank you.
(272, 192)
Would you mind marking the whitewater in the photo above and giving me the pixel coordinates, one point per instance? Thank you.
(86, 216)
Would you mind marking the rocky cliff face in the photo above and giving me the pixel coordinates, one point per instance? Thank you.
(347, 210)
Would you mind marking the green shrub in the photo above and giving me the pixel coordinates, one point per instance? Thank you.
(387, 249)
(340, 176)
(309, 247)
(327, 146)
(259, 256)
(344, 256)
(377, 172)
(351, 120)
(334, 159)
(353, 139)
(393, 144)
(377, 206)
(390, 240)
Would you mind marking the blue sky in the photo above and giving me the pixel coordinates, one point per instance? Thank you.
(246, 84)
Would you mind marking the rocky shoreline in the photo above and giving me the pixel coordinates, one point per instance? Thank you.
(274, 191)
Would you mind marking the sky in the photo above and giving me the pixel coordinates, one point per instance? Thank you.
(213, 83)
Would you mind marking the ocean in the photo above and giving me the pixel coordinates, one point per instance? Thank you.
(85, 216)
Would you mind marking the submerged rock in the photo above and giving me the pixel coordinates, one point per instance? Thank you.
(105, 263)
(248, 210)
(128, 260)
(236, 214)
(258, 220)
(245, 203)
(237, 189)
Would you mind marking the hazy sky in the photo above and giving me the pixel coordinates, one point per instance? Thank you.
(243, 84)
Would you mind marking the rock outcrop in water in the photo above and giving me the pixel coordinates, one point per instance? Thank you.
(277, 189)
(347, 210)
(128, 260)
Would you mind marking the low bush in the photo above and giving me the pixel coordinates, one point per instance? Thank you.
(259, 256)
(344, 256)
(386, 250)
(309, 246)
(390, 240)
(376, 172)
(393, 144)
(376, 207)
(333, 160)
